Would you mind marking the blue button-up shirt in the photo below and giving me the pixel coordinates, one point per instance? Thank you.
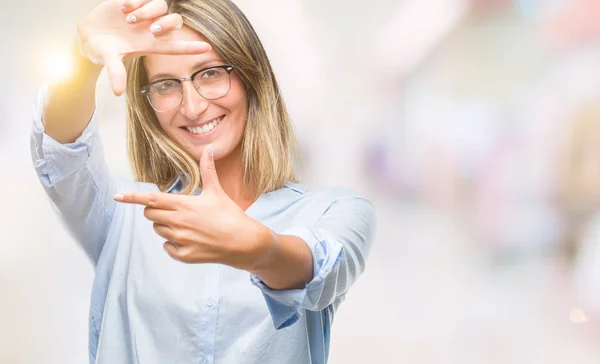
(148, 308)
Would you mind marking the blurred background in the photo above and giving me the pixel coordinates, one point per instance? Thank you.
(473, 126)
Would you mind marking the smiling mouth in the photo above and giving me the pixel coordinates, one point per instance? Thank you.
(204, 129)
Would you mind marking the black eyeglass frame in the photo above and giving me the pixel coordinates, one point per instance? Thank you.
(145, 90)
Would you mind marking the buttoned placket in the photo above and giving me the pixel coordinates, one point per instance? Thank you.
(208, 314)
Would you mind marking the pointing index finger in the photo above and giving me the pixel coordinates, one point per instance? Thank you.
(157, 200)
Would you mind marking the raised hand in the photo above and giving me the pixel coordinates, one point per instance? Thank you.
(209, 228)
(117, 29)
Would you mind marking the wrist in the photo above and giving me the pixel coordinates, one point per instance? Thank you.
(267, 241)
(85, 71)
(85, 65)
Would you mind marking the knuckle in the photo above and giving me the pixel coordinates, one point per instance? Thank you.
(172, 250)
(130, 5)
(172, 21)
(175, 223)
(182, 255)
(136, 8)
(180, 236)
(159, 230)
(162, 5)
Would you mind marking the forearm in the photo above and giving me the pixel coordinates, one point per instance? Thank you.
(288, 266)
(76, 179)
(70, 101)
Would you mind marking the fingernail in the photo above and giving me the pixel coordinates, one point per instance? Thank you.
(155, 28)
(179, 26)
(119, 197)
(211, 151)
(131, 18)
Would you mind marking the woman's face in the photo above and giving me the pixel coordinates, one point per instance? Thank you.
(187, 125)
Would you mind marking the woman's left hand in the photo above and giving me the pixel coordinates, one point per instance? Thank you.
(209, 228)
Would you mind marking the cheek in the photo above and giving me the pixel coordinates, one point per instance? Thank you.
(238, 106)
(164, 121)
(238, 99)
(241, 116)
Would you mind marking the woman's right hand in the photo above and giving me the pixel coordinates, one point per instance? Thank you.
(117, 29)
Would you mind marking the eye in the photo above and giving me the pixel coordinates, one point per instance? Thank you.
(165, 86)
(212, 73)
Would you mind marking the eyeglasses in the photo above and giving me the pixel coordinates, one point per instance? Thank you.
(167, 94)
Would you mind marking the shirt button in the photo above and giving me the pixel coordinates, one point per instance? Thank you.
(45, 170)
(210, 303)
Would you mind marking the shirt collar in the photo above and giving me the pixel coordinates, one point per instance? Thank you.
(179, 184)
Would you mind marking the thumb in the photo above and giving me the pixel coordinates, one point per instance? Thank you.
(210, 180)
(116, 74)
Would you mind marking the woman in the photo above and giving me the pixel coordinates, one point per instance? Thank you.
(254, 265)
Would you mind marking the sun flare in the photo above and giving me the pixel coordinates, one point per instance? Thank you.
(58, 65)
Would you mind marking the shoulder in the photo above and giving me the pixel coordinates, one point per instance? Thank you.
(331, 194)
(338, 209)
(325, 199)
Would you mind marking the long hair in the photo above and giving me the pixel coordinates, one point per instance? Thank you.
(268, 143)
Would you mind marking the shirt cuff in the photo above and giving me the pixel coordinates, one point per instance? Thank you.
(54, 161)
(286, 306)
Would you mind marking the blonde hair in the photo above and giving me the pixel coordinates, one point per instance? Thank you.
(268, 143)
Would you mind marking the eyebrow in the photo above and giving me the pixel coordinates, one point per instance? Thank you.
(195, 68)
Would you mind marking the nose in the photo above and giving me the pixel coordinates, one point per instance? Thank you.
(192, 103)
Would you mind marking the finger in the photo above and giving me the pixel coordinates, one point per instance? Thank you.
(130, 5)
(179, 253)
(165, 46)
(165, 232)
(159, 216)
(148, 11)
(167, 23)
(116, 74)
(171, 249)
(157, 200)
(210, 180)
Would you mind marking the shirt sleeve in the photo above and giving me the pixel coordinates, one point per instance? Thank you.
(76, 179)
(339, 242)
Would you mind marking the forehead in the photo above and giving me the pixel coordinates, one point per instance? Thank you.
(179, 64)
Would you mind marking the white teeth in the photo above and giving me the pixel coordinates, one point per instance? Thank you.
(205, 128)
